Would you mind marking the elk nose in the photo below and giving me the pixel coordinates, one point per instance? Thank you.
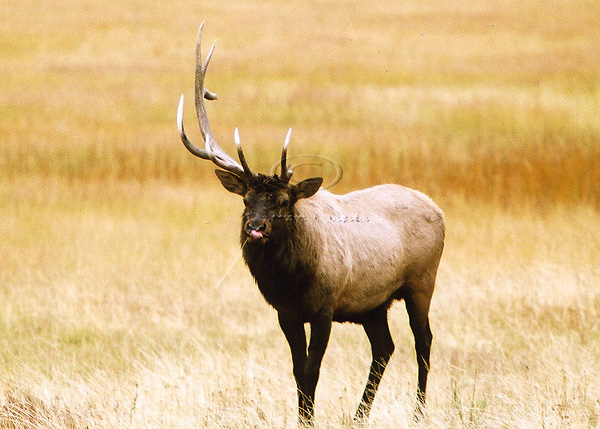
(254, 225)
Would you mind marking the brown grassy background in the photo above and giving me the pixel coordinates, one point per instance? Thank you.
(494, 103)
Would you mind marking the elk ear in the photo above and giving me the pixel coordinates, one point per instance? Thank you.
(307, 188)
(231, 182)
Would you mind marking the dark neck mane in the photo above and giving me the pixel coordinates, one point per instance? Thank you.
(284, 266)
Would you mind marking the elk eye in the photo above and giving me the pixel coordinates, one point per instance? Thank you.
(285, 203)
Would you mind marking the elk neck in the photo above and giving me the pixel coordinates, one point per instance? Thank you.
(284, 267)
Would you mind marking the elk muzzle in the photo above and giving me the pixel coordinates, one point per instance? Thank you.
(257, 230)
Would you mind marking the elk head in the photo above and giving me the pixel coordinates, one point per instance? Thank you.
(269, 200)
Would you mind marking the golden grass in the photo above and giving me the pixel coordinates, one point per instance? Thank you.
(113, 238)
(112, 317)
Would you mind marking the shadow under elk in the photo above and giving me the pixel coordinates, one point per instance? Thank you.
(314, 267)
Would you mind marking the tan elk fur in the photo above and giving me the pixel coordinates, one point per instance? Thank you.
(370, 242)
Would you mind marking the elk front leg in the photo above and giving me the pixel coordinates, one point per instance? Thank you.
(320, 330)
(293, 329)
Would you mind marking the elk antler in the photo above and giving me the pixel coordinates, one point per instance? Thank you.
(286, 172)
(212, 150)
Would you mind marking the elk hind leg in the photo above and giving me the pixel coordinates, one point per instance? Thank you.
(417, 306)
(382, 346)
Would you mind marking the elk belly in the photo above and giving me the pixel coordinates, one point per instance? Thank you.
(357, 300)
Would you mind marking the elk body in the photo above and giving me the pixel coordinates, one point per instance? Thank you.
(319, 258)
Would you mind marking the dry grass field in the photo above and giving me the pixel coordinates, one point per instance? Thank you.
(123, 300)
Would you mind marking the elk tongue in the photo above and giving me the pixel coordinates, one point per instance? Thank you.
(256, 235)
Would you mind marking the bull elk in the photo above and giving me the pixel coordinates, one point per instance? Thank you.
(319, 258)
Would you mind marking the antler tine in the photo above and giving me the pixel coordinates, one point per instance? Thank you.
(240, 152)
(209, 95)
(195, 150)
(286, 172)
